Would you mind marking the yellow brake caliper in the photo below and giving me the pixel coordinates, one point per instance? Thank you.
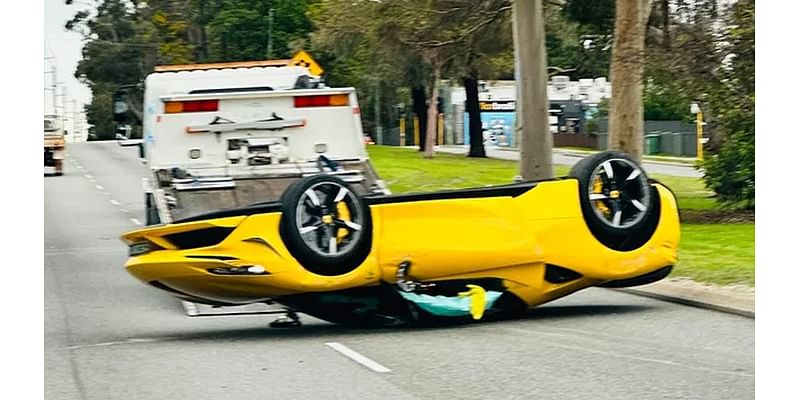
(597, 188)
(344, 215)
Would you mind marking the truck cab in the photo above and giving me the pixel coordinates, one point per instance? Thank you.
(54, 145)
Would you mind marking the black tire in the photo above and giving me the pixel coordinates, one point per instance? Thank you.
(150, 210)
(313, 222)
(619, 205)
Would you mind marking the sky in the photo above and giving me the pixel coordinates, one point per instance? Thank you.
(65, 47)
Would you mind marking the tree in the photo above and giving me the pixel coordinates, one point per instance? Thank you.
(536, 142)
(730, 172)
(256, 30)
(626, 118)
(416, 42)
(579, 36)
(490, 55)
(115, 53)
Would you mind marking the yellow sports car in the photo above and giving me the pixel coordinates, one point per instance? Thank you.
(378, 260)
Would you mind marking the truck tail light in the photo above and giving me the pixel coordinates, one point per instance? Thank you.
(176, 107)
(321, 100)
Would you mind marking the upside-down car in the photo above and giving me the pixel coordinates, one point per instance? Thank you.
(378, 260)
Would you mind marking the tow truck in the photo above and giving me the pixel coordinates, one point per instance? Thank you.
(54, 145)
(225, 135)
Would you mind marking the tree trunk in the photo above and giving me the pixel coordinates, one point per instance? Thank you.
(665, 24)
(418, 97)
(626, 115)
(476, 148)
(536, 141)
(433, 114)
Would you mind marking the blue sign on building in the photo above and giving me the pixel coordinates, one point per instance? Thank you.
(497, 123)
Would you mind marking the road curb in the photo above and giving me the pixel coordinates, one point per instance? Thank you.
(729, 299)
(456, 149)
(647, 160)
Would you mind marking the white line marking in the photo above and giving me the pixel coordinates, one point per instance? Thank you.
(135, 221)
(355, 356)
(626, 356)
(114, 202)
(98, 187)
(78, 167)
(87, 176)
(125, 210)
(126, 341)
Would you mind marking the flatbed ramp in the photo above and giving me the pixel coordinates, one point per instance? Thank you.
(203, 310)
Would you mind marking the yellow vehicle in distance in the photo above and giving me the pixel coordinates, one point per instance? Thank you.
(386, 260)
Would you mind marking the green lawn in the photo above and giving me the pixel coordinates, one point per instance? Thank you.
(404, 170)
(718, 253)
(714, 253)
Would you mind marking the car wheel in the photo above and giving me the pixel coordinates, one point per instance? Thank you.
(619, 205)
(325, 225)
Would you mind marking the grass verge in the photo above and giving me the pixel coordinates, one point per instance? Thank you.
(709, 252)
(717, 253)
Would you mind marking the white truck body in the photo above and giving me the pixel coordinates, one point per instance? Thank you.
(254, 140)
(248, 133)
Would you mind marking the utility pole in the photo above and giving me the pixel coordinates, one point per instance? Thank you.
(55, 85)
(378, 127)
(64, 109)
(269, 40)
(536, 141)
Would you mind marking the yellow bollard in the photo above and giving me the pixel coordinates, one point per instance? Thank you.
(416, 131)
(700, 135)
(440, 130)
(402, 131)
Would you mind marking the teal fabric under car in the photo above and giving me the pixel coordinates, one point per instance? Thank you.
(447, 306)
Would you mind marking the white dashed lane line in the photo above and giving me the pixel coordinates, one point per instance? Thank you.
(357, 357)
(102, 189)
(135, 221)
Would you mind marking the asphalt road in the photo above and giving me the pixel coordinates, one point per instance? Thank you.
(107, 336)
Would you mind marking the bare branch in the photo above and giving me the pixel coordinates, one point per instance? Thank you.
(491, 18)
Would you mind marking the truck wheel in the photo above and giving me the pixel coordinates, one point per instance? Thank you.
(325, 225)
(151, 213)
(619, 205)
